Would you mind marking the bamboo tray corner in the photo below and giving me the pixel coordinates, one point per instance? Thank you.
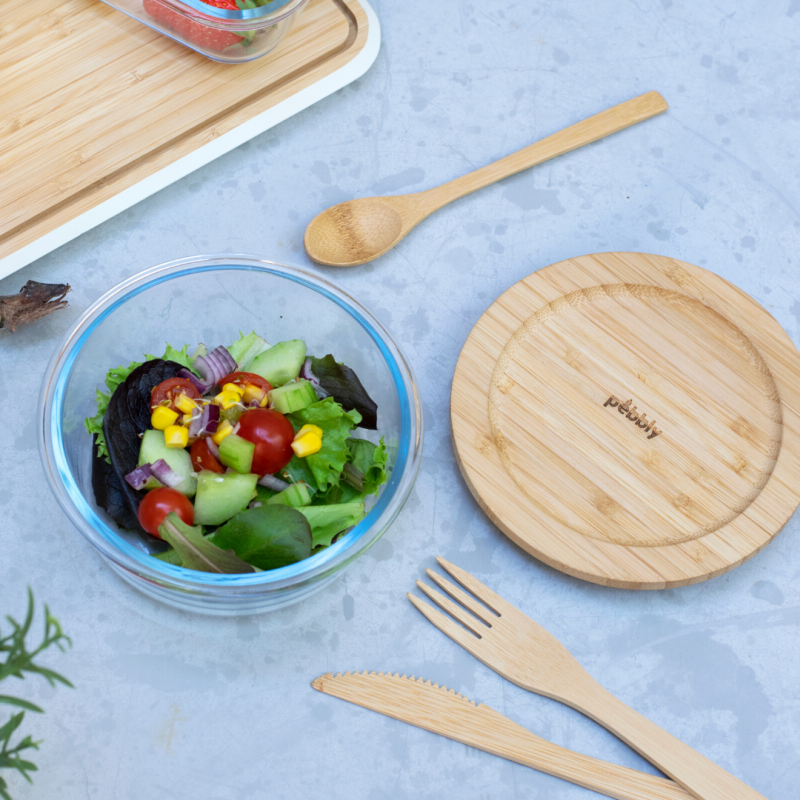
(84, 138)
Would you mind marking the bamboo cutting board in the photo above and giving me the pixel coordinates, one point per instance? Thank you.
(631, 420)
(93, 102)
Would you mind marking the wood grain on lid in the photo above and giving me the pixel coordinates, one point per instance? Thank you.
(630, 419)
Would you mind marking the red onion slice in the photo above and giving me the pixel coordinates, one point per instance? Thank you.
(205, 422)
(212, 446)
(139, 477)
(201, 386)
(271, 482)
(166, 474)
(306, 372)
(215, 365)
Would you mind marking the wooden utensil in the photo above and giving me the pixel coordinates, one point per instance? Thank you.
(523, 652)
(630, 419)
(360, 230)
(438, 710)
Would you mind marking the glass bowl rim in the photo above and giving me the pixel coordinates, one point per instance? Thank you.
(131, 559)
(258, 14)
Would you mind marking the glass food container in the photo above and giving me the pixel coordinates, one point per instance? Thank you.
(218, 31)
(210, 299)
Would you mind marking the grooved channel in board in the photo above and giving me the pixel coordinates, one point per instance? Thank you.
(74, 133)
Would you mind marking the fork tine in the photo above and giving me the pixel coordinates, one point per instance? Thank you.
(446, 625)
(481, 591)
(455, 611)
(476, 608)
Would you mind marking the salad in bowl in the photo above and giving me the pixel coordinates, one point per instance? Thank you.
(236, 459)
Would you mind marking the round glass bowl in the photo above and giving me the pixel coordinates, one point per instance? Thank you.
(227, 35)
(211, 299)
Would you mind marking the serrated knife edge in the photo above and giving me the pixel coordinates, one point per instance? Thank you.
(442, 711)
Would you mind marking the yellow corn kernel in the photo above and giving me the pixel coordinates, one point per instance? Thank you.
(176, 436)
(186, 419)
(225, 429)
(162, 418)
(227, 399)
(307, 444)
(264, 400)
(185, 404)
(232, 387)
(309, 429)
(253, 392)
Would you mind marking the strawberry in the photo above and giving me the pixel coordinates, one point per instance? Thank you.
(195, 32)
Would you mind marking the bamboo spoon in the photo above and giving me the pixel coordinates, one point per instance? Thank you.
(360, 230)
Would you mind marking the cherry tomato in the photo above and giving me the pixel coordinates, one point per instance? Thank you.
(272, 434)
(203, 458)
(243, 378)
(169, 389)
(160, 502)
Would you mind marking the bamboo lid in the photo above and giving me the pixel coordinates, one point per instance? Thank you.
(631, 420)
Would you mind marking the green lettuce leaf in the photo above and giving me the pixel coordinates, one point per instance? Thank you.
(199, 553)
(326, 466)
(371, 460)
(328, 521)
(114, 378)
(181, 357)
(267, 537)
(298, 470)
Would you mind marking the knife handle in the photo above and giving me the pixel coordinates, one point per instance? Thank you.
(502, 737)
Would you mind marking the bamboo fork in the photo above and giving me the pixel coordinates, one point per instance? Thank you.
(523, 652)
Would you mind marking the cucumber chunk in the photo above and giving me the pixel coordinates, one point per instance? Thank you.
(219, 497)
(292, 397)
(296, 496)
(246, 349)
(237, 453)
(281, 362)
(154, 447)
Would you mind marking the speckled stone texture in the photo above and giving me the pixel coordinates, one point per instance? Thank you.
(173, 706)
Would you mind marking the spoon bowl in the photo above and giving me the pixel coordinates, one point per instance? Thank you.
(354, 232)
(360, 230)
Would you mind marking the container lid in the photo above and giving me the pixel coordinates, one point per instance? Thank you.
(631, 420)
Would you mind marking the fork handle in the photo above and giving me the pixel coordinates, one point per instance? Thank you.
(694, 772)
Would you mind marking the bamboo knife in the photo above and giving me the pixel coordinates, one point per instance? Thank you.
(442, 711)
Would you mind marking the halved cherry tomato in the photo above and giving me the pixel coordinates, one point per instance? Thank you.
(243, 378)
(272, 434)
(169, 389)
(203, 458)
(160, 502)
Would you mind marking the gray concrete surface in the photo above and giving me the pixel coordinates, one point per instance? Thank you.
(170, 705)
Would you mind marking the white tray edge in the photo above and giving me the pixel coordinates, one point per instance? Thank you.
(203, 155)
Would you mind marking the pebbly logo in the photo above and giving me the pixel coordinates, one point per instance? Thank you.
(648, 426)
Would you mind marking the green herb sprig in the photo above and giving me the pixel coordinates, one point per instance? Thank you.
(17, 661)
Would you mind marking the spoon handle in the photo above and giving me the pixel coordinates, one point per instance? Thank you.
(585, 132)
